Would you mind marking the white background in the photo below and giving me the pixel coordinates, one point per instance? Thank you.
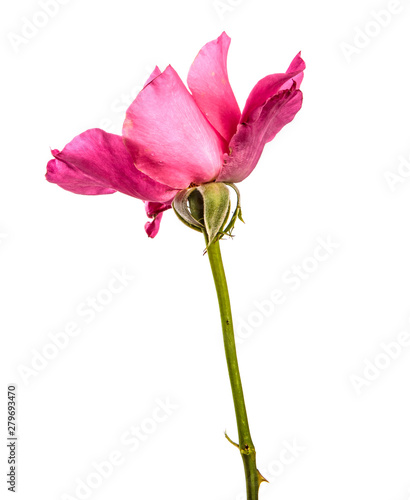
(323, 176)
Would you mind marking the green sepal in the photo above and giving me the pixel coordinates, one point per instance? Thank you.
(180, 206)
(216, 206)
(238, 211)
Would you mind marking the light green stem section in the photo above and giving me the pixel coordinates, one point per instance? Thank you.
(246, 447)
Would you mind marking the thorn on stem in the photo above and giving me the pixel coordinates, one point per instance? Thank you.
(261, 479)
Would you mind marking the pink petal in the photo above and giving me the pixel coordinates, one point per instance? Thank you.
(169, 138)
(154, 211)
(73, 180)
(209, 84)
(296, 66)
(271, 85)
(248, 143)
(152, 227)
(96, 162)
(153, 75)
(153, 208)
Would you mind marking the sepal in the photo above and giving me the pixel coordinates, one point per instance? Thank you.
(207, 208)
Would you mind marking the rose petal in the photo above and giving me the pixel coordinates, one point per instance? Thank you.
(96, 162)
(152, 227)
(271, 85)
(71, 179)
(156, 72)
(248, 143)
(169, 138)
(153, 208)
(154, 211)
(296, 66)
(209, 84)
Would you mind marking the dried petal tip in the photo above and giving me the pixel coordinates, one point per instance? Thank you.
(207, 208)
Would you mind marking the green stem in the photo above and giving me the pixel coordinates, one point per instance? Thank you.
(246, 447)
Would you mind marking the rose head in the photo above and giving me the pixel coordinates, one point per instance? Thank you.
(173, 139)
